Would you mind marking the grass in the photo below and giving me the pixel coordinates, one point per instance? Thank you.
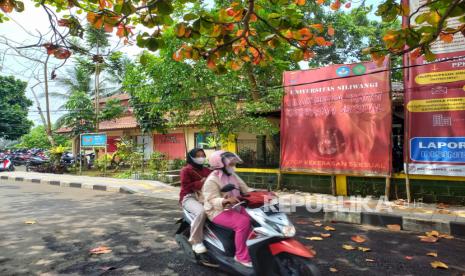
(98, 173)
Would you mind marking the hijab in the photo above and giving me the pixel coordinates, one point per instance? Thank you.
(191, 154)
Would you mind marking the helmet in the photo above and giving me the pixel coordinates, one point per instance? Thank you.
(220, 159)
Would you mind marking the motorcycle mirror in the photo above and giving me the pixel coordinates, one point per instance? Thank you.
(228, 188)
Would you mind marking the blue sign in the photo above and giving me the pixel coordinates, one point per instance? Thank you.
(343, 71)
(94, 140)
(438, 149)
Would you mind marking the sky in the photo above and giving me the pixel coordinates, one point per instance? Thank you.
(23, 29)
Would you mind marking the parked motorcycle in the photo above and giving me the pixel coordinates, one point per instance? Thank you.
(20, 157)
(6, 164)
(36, 163)
(271, 245)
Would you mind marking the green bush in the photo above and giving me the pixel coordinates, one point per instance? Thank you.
(134, 160)
(158, 162)
(102, 161)
(177, 164)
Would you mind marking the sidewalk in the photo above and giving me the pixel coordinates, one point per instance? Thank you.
(417, 217)
(142, 187)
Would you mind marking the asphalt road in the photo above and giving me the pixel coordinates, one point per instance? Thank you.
(139, 231)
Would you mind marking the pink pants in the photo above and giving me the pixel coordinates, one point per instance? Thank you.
(240, 223)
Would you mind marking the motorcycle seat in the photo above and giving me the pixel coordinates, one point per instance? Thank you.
(219, 229)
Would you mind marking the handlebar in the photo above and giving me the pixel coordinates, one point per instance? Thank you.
(237, 205)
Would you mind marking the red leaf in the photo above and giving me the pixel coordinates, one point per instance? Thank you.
(447, 38)
(177, 56)
(307, 56)
(331, 31)
(63, 22)
(358, 239)
(211, 64)
(336, 5)
(7, 6)
(320, 41)
(62, 53)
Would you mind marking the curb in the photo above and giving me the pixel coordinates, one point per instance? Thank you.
(79, 185)
(407, 222)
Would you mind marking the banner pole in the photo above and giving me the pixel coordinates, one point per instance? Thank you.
(80, 154)
(406, 60)
(406, 157)
(105, 163)
(387, 189)
(333, 184)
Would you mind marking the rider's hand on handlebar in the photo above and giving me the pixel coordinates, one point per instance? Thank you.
(230, 200)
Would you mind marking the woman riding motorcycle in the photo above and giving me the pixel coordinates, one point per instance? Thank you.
(193, 176)
(216, 203)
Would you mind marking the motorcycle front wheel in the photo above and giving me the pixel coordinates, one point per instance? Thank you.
(292, 265)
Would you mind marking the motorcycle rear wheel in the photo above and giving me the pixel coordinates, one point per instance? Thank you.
(292, 265)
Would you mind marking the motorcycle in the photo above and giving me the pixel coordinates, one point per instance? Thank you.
(36, 163)
(271, 245)
(20, 158)
(6, 164)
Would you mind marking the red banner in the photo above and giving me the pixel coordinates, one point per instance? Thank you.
(435, 106)
(337, 120)
(172, 144)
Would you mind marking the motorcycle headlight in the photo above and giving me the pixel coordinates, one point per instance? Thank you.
(288, 230)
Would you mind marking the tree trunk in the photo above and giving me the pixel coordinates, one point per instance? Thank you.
(253, 84)
(48, 126)
(97, 95)
(41, 113)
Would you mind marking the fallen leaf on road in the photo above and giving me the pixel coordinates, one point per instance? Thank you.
(363, 249)
(30, 222)
(316, 221)
(399, 202)
(107, 268)
(444, 212)
(325, 235)
(442, 206)
(301, 221)
(332, 269)
(428, 239)
(393, 227)
(432, 254)
(445, 236)
(329, 228)
(358, 239)
(314, 238)
(318, 224)
(100, 250)
(409, 258)
(369, 260)
(348, 247)
(438, 264)
(432, 234)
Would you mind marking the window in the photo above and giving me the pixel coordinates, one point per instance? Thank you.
(204, 140)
